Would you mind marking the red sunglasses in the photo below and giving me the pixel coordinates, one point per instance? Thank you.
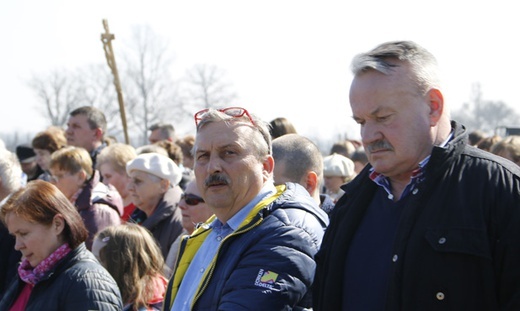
(236, 112)
(191, 199)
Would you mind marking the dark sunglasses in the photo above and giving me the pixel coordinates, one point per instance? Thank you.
(191, 199)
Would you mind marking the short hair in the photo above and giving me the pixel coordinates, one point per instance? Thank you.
(95, 117)
(10, 171)
(39, 202)
(72, 159)
(359, 155)
(423, 63)
(510, 144)
(343, 147)
(475, 137)
(281, 126)
(186, 143)
(166, 129)
(300, 156)
(116, 155)
(151, 148)
(487, 142)
(133, 258)
(49, 140)
(263, 144)
(173, 149)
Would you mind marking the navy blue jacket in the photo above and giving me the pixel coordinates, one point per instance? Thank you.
(267, 263)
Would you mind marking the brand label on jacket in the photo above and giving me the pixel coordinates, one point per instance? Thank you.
(266, 279)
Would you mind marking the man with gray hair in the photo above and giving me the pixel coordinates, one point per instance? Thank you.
(161, 131)
(10, 181)
(257, 251)
(430, 223)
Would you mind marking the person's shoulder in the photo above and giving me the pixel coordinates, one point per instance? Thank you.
(296, 202)
(475, 158)
(83, 260)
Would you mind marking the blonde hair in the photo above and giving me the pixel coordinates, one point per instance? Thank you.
(72, 159)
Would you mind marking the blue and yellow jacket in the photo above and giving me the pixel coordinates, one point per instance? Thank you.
(266, 264)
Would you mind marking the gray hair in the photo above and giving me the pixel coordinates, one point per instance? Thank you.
(263, 145)
(10, 171)
(423, 63)
(165, 129)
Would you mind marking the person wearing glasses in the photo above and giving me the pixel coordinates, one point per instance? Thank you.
(154, 189)
(430, 223)
(194, 211)
(257, 251)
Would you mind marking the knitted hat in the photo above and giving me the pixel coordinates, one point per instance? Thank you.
(337, 165)
(156, 164)
(25, 153)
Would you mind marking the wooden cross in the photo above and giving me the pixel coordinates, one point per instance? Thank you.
(107, 38)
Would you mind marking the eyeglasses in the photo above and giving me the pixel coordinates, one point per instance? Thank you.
(191, 199)
(235, 112)
(56, 178)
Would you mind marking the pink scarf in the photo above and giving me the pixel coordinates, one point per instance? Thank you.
(33, 276)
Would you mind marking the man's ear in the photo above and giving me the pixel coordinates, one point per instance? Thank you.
(311, 181)
(99, 133)
(436, 103)
(268, 167)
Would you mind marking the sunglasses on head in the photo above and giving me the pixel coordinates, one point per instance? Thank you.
(191, 199)
(236, 112)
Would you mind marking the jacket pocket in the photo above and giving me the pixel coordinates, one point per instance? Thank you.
(467, 241)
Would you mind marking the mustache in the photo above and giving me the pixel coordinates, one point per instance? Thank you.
(216, 179)
(379, 145)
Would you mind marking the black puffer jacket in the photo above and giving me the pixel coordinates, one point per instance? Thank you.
(77, 283)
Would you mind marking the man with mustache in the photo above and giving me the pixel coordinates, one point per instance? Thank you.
(430, 223)
(257, 251)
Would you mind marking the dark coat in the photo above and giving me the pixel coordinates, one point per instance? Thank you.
(457, 246)
(9, 259)
(165, 222)
(78, 282)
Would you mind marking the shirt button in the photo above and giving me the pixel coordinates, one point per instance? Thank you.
(415, 191)
(201, 270)
(394, 259)
(439, 296)
(442, 240)
(219, 238)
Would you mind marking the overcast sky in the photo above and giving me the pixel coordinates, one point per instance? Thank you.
(284, 58)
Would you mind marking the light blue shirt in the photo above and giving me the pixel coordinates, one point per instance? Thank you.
(209, 248)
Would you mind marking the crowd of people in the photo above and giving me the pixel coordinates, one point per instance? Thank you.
(246, 214)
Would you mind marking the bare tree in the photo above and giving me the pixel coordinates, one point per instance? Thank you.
(150, 90)
(484, 115)
(205, 86)
(59, 92)
(62, 91)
